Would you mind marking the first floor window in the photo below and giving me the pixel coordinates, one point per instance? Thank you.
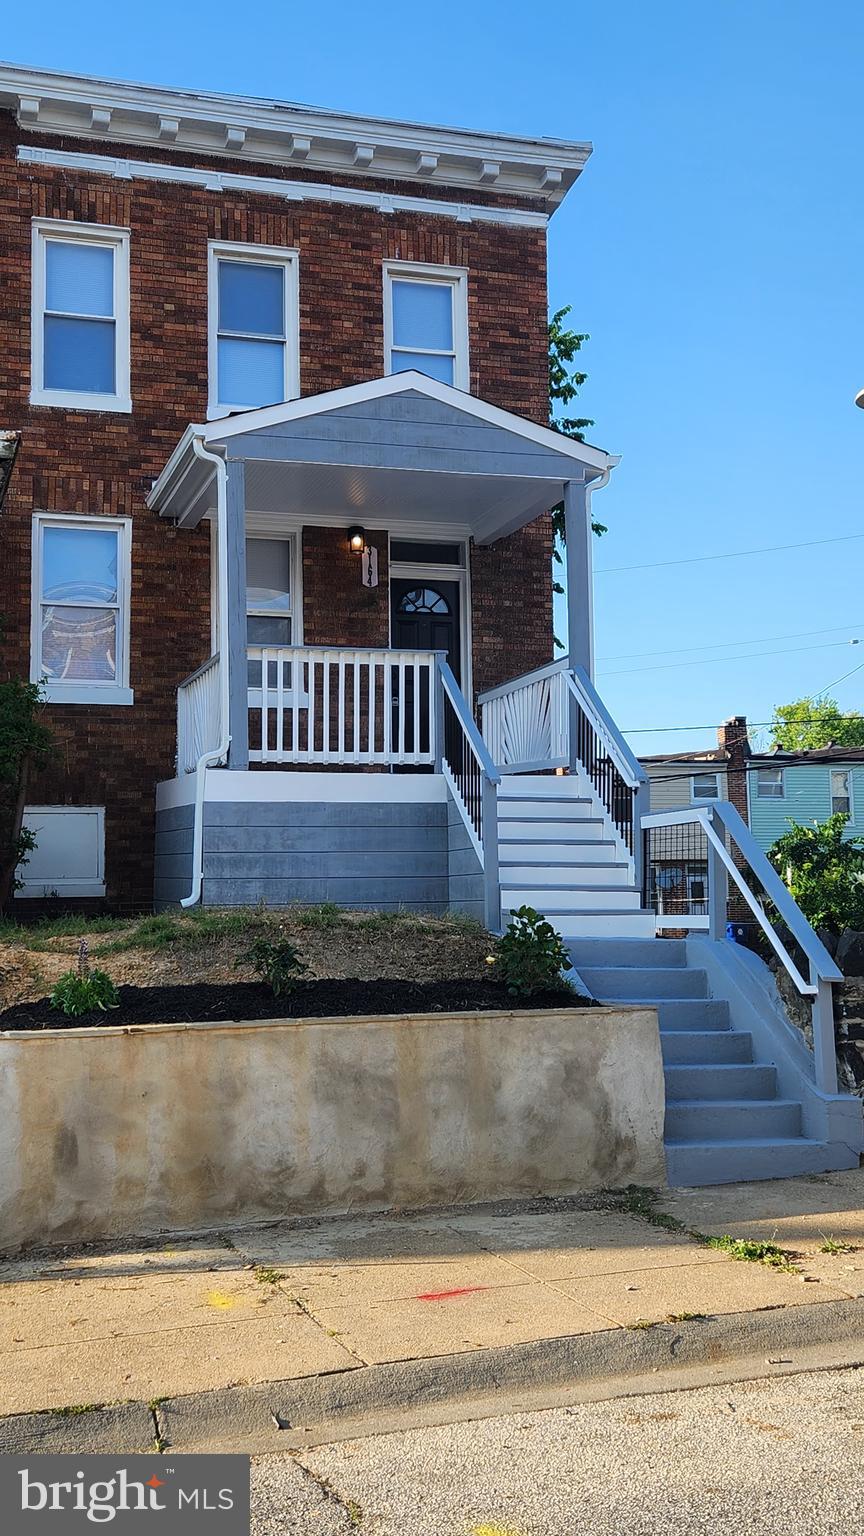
(769, 784)
(426, 322)
(80, 316)
(269, 604)
(80, 621)
(253, 327)
(841, 792)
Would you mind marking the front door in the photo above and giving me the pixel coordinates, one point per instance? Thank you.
(424, 616)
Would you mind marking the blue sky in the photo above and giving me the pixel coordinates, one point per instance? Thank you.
(713, 249)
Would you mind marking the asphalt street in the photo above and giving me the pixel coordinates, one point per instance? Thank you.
(755, 1457)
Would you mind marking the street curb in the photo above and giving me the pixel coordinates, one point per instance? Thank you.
(304, 1411)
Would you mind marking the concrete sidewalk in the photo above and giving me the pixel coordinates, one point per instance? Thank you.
(338, 1312)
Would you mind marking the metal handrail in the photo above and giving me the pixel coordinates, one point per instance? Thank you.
(628, 765)
(466, 720)
(479, 810)
(823, 970)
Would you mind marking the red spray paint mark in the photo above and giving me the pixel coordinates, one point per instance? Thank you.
(462, 1290)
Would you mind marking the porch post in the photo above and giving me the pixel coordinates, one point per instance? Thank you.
(580, 575)
(233, 631)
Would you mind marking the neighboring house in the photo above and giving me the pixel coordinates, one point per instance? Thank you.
(677, 862)
(281, 380)
(804, 787)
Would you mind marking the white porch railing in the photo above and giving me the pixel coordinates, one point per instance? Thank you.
(734, 853)
(524, 722)
(554, 717)
(199, 715)
(316, 704)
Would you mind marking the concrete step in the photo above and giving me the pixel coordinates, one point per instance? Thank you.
(732, 1119)
(693, 1014)
(557, 786)
(586, 898)
(698, 1047)
(641, 952)
(691, 1163)
(574, 926)
(570, 853)
(618, 983)
(539, 808)
(566, 830)
(568, 876)
(720, 1079)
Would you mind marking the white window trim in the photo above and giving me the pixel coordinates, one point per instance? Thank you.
(257, 528)
(84, 234)
(260, 255)
(850, 792)
(77, 691)
(420, 272)
(768, 769)
(40, 890)
(708, 774)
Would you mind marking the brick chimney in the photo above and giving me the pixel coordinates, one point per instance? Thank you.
(733, 740)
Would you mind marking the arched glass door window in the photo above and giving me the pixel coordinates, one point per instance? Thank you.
(424, 600)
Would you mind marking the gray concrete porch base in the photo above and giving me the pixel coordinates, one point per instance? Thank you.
(377, 840)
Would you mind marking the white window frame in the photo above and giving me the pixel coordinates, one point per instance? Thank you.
(80, 234)
(782, 782)
(847, 774)
(76, 690)
(423, 272)
(262, 256)
(294, 538)
(41, 890)
(697, 799)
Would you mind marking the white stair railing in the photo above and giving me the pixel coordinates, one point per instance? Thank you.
(323, 704)
(199, 715)
(467, 766)
(733, 853)
(524, 722)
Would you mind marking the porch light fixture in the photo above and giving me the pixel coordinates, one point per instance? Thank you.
(356, 539)
(10, 442)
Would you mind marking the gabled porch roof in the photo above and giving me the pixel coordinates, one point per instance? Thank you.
(397, 452)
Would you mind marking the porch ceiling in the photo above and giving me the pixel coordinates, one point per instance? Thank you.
(399, 451)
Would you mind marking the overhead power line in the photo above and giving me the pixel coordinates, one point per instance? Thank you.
(680, 650)
(704, 661)
(734, 554)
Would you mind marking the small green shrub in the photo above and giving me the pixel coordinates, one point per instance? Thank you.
(531, 955)
(325, 914)
(277, 961)
(82, 990)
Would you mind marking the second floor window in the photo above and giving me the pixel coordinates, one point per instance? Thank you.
(80, 316)
(705, 786)
(253, 327)
(841, 792)
(426, 321)
(769, 784)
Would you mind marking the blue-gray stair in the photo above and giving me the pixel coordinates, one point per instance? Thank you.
(725, 1120)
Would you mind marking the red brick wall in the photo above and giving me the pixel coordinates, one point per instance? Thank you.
(99, 462)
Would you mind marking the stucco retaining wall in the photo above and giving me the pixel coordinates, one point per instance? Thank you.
(112, 1130)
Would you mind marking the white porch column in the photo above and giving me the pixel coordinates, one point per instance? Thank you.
(580, 575)
(233, 630)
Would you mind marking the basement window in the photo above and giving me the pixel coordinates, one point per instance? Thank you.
(69, 857)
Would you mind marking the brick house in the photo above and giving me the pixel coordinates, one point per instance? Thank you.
(279, 529)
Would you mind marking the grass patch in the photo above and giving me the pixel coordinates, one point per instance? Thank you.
(685, 1317)
(638, 1201)
(748, 1251)
(323, 914)
(266, 1276)
(834, 1245)
(39, 935)
(198, 927)
(75, 1410)
(354, 1512)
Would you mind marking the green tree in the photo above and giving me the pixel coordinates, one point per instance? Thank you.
(565, 382)
(24, 743)
(824, 872)
(817, 722)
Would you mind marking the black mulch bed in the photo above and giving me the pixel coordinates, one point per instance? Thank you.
(308, 999)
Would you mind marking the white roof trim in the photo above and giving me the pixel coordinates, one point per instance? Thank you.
(286, 188)
(286, 132)
(217, 432)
